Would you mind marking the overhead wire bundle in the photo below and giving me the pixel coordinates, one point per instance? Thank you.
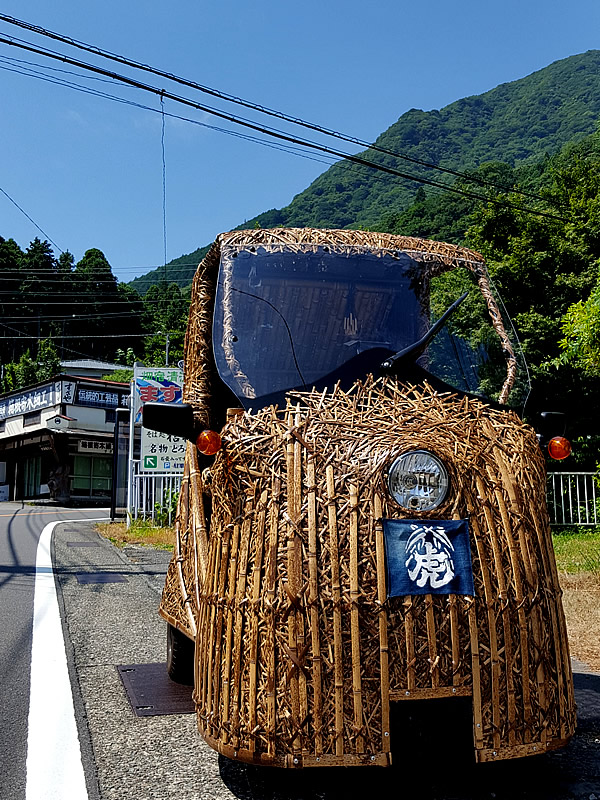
(374, 157)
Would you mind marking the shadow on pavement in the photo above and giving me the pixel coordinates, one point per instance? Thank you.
(433, 761)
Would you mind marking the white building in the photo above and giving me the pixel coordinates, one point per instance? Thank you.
(56, 438)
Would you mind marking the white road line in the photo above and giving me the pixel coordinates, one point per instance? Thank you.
(54, 768)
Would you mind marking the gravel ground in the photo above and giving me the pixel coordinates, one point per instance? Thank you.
(117, 623)
(141, 758)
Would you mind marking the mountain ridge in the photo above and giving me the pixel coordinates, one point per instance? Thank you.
(517, 122)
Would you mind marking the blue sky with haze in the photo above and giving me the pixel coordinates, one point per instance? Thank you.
(89, 172)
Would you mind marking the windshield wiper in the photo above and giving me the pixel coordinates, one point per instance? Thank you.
(413, 351)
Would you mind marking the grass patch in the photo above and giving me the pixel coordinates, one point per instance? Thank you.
(581, 602)
(577, 549)
(578, 560)
(141, 532)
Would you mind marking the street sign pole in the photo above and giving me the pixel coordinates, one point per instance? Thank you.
(130, 472)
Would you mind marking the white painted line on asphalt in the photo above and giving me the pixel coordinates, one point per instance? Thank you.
(54, 768)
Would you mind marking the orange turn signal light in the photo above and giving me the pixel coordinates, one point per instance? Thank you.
(208, 442)
(559, 448)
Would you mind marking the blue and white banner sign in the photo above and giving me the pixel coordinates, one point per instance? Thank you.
(428, 557)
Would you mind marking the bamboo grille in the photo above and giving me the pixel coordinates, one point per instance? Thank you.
(300, 653)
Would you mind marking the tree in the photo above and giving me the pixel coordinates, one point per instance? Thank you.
(11, 258)
(27, 370)
(581, 334)
(106, 308)
(545, 269)
(165, 313)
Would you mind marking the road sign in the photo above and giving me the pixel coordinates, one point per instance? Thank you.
(161, 452)
(156, 385)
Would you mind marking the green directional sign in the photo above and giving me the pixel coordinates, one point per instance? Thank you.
(150, 462)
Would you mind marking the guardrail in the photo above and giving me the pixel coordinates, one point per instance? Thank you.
(573, 498)
(152, 493)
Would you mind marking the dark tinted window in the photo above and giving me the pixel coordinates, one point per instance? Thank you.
(286, 319)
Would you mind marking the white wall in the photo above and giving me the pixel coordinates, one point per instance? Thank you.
(14, 425)
(89, 419)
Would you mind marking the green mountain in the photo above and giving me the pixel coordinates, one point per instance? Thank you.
(517, 123)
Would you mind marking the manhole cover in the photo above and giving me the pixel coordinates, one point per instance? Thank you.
(100, 577)
(152, 693)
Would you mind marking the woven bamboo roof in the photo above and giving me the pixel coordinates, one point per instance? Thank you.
(420, 249)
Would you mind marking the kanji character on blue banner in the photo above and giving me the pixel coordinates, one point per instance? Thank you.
(430, 556)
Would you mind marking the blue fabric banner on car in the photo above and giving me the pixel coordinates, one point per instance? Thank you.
(430, 556)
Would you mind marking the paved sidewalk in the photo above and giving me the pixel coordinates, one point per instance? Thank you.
(164, 757)
(110, 624)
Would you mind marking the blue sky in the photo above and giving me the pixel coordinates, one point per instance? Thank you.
(89, 170)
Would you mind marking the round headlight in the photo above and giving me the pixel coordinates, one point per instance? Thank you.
(418, 481)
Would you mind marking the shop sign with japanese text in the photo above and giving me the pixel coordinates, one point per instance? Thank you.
(162, 452)
(94, 447)
(156, 385)
(32, 400)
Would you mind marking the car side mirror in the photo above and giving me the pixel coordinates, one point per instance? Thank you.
(176, 419)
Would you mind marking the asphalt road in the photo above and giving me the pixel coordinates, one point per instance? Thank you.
(20, 528)
(126, 756)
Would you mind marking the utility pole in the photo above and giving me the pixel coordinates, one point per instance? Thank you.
(167, 350)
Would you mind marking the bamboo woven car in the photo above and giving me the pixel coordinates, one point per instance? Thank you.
(279, 574)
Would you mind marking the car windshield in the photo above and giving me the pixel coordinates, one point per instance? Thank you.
(310, 316)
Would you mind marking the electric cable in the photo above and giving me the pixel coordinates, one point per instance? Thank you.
(33, 222)
(261, 108)
(272, 132)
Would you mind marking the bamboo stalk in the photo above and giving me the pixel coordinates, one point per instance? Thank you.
(337, 614)
(383, 630)
(223, 544)
(432, 642)
(211, 587)
(270, 635)
(520, 600)
(240, 592)
(533, 584)
(476, 666)
(491, 601)
(354, 622)
(225, 720)
(293, 588)
(256, 589)
(313, 603)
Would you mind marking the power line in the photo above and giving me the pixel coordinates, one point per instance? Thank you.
(260, 108)
(33, 222)
(86, 336)
(54, 276)
(272, 132)
(164, 183)
(97, 93)
(74, 318)
(83, 301)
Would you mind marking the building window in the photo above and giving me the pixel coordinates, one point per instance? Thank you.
(34, 418)
(2, 425)
(91, 476)
(32, 471)
(110, 416)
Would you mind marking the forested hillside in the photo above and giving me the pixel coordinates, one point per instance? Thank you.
(516, 123)
(54, 309)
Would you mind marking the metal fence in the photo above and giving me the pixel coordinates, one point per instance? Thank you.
(573, 498)
(153, 495)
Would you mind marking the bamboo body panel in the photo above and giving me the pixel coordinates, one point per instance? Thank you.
(299, 652)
